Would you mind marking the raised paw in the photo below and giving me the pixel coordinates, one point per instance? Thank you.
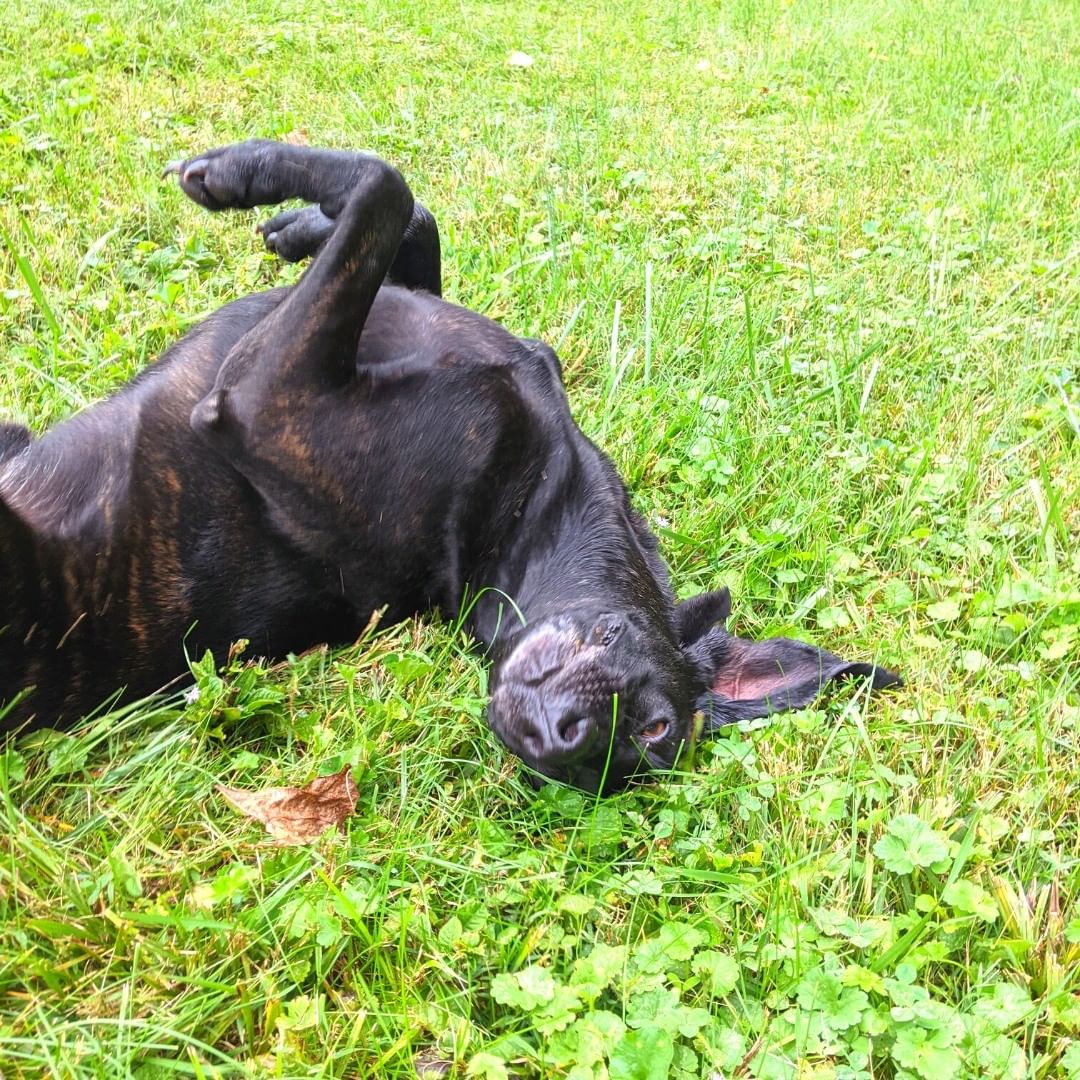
(231, 177)
(297, 234)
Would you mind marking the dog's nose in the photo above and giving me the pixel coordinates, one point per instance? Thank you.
(572, 731)
(551, 743)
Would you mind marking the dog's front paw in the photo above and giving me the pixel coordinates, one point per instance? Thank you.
(296, 234)
(230, 177)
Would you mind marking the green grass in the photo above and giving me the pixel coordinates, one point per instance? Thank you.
(851, 394)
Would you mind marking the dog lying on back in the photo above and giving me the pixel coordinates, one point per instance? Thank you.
(310, 454)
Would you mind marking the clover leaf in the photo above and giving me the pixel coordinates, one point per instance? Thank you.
(487, 1066)
(1005, 1005)
(645, 1054)
(527, 989)
(841, 1007)
(719, 971)
(660, 1007)
(593, 974)
(970, 899)
(909, 842)
(675, 943)
(1070, 1061)
(928, 1053)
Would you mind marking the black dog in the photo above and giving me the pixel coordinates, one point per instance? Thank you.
(311, 454)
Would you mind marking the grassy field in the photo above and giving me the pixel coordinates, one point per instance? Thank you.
(813, 269)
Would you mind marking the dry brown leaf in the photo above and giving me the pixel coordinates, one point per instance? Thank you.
(296, 815)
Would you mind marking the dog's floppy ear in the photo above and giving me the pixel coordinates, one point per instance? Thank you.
(737, 679)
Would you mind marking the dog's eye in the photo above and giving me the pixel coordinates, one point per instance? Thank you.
(656, 730)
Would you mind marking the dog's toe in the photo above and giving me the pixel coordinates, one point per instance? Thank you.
(192, 177)
(193, 182)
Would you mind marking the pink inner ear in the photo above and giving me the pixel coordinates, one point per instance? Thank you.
(753, 670)
(731, 684)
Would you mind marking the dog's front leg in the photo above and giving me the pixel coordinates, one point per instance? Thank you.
(267, 411)
(310, 339)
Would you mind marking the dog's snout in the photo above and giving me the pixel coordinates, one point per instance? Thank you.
(543, 653)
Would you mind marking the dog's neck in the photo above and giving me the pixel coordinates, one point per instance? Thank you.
(576, 543)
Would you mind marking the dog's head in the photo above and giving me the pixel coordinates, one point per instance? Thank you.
(594, 697)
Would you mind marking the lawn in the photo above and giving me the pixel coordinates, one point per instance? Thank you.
(813, 270)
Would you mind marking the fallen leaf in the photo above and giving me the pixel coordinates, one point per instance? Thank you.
(297, 815)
